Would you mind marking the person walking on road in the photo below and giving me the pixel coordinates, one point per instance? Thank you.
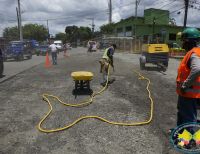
(53, 49)
(65, 47)
(105, 61)
(188, 78)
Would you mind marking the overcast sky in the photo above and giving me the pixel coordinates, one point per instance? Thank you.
(62, 13)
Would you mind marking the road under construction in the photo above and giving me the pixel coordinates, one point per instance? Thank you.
(125, 100)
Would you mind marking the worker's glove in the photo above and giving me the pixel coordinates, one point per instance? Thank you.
(183, 88)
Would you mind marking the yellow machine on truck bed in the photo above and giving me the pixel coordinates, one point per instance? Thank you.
(155, 53)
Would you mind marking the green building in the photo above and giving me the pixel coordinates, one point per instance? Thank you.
(155, 21)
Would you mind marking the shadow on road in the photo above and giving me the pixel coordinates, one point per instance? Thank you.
(13, 60)
(77, 92)
(1, 76)
(158, 69)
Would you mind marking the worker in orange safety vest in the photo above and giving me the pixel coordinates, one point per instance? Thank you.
(188, 78)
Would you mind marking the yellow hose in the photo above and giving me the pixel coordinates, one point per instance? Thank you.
(89, 101)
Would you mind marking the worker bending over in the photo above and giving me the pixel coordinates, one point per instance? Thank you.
(105, 61)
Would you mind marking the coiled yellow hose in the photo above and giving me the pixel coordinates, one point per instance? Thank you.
(89, 101)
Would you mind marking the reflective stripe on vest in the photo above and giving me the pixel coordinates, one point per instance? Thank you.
(183, 73)
(105, 55)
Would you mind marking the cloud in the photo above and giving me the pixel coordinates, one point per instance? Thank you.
(61, 13)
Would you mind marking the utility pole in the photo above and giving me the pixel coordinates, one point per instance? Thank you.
(48, 29)
(20, 22)
(154, 22)
(110, 11)
(93, 25)
(136, 7)
(135, 20)
(186, 12)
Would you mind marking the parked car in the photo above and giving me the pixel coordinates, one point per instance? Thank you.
(42, 50)
(18, 50)
(1, 63)
(34, 45)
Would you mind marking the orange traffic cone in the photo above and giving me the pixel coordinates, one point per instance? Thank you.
(47, 61)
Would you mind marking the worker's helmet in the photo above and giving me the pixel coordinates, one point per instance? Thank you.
(190, 33)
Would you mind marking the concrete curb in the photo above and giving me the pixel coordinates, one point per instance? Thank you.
(4, 79)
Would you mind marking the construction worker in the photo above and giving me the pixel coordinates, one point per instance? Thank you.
(188, 78)
(106, 61)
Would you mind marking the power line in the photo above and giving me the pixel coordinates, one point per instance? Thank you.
(167, 4)
(71, 16)
(165, 14)
(158, 0)
(161, 1)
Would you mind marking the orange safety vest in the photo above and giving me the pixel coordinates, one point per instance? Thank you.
(183, 73)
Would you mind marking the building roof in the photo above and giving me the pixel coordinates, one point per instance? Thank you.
(153, 9)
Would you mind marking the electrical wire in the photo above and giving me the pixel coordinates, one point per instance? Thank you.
(167, 4)
(165, 14)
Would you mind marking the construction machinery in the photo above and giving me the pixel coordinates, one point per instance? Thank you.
(154, 51)
(175, 50)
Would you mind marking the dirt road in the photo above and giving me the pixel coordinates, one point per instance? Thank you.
(125, 100)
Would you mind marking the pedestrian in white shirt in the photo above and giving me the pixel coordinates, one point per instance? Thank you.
(53, 49)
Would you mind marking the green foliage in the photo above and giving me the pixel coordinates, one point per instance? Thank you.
(97, 34)
(74, 33)
(107, 29)
(84, 33)
(30, 31)
(61, 36)
(35, 31)
(11, 33)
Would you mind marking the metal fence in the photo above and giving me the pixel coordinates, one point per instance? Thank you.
(124, 44)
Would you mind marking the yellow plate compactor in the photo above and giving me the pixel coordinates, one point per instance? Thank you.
(82, 79)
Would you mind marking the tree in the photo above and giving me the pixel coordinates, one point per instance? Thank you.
(30, 31)
(71, 32)
(85, 33)
(107, 29)
(35, 31)
(172, 21)
(75, 33)
(97, 34)
(11, 33)
(61, 36)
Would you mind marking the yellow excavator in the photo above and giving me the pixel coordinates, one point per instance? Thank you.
(154, 51)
